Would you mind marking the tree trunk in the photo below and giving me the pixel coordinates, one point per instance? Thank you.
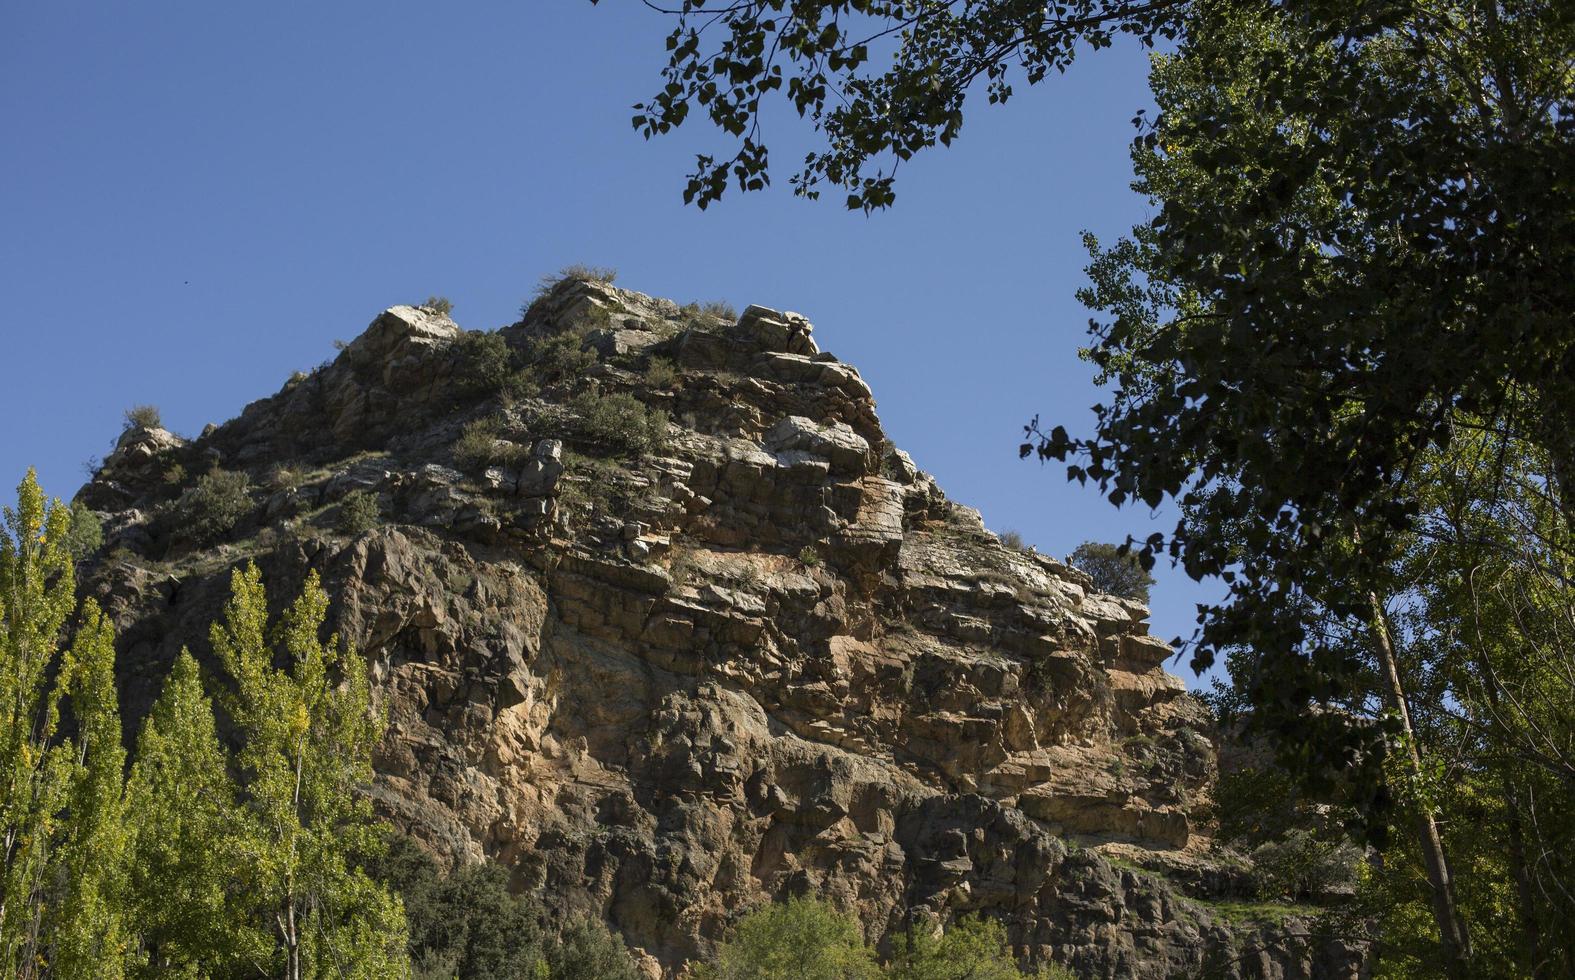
(292, 959)
(1451, 928)
(1525, 889)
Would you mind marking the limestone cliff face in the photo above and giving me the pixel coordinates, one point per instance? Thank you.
(768, 656)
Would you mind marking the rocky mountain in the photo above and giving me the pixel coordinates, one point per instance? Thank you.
(664, 623)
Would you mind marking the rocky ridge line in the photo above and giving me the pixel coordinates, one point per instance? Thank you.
(767, 655)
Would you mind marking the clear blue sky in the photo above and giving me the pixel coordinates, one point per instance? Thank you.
(197, 198)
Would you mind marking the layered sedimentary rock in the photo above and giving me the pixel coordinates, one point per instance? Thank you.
(767, 655)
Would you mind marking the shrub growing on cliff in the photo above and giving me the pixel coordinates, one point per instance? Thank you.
(483, 362)
(439, 305)
(358, 512)
(1112, 571)
(212, 508)
(143, 417)
(463, 924)
(481, 444)
(559, 356)
(619, 422)
(87, 532)
(1302, 865)
(805, 939)
(588, 950)
(660, 373)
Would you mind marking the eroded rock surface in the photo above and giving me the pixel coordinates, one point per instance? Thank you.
(769, 656)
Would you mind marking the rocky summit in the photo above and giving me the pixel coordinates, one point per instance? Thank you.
(663, 623)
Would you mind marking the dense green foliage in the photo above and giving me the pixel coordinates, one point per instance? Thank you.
(1355, 381)
(60, 800)
(199, 862)
(483, 362)
(207, 511)
(619, 422)
(86, 534)
(558, 357)
(1113, 569)
(806, 939)
(183, 889)
(358, 511)
(207, 862)
(467, 924)
(972, 949)
(309, 730)
(800, 939)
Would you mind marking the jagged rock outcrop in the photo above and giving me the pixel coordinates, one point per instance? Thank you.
(764, 655)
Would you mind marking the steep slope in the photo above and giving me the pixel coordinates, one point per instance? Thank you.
(663, 623)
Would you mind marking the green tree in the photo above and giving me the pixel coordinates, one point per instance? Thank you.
(1472, 638)
(308, 730)
(588, 950)
(88, 927)
(65, 820)
(59, 790)
(972, 949)
(210, 510)
(464, 924)
(800, 939)
(87, 532)
(1113, 569)
(1297, 334)
(184, 883)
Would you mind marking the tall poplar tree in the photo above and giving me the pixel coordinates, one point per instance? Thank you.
(86, 916)
(60, 791)
(186, 893)
(308, 731)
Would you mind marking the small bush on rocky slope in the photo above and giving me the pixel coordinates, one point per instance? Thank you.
(619, 422)
(1112, 571)
(86, 534)
(559, 356)
(143, 417)
(211, 509)
(578, 270)
(480, 445)
(719, 308)
(660, 373)
(358, 512)
(483, 362)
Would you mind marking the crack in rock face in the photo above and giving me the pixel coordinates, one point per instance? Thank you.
(692, 634)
